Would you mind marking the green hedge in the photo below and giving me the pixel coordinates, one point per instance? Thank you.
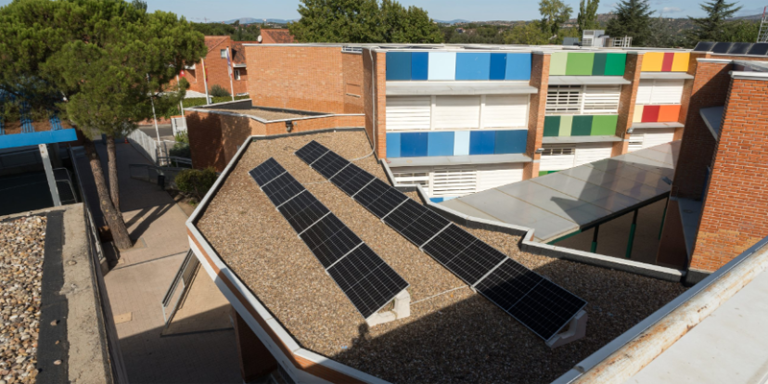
(198, 101)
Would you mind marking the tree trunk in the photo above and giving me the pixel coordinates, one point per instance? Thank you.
(112, 167)
(113, 216)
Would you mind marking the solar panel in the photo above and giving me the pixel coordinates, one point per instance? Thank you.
(267, 171)
(539, 304)
(352, 179)
(363, 276)
(721, 47)
(368, 281)
(330, 164)
(758, 49)
(704, 46)
(739, 48)
(311, 152)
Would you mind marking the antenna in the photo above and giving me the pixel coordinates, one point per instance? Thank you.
(762, 36)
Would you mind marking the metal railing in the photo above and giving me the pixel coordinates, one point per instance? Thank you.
(20, 158)
(165, 177)
(64, 185)
(179, 286)
(175, 161)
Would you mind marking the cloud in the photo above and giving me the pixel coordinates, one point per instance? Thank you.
(667, 10)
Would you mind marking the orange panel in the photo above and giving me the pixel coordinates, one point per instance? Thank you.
(680, 64)
(669, 113)
(652, 61)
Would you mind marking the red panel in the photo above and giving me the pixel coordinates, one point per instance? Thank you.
(651, 113)
(669, 57)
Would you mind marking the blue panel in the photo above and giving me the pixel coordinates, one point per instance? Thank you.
(440, 144)
(498, 66)
(436, 199)
(518, 66)
(482, 143)
(419, 66)
(35, 138)
(473, 66)
(393, 145)
(442, 66)
(461, 143)
(511, 141)
(398, 65)
(413, 144)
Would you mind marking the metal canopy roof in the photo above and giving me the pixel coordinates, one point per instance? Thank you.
(588, 80)
(458, 160)
(666, 75)
(403, 88)
(561, 203)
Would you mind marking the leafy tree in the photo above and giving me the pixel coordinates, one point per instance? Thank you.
(741, 31)
(712, 27)
(219, 91)
(633, 18)
(554, 13)
(665, 34)
(363, 21)
(587, 18)
(528, 33)
(107, 60)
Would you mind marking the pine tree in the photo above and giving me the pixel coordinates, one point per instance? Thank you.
(633, 19)
(587, 18)
(713, 26)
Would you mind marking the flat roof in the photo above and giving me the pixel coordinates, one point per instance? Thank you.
(564, 202)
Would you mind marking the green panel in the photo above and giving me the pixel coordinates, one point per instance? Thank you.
(557, 63)
(615, 63)
(604, 125)
(598, 68)
(551, 125)
(582, 126)
(566, 122)
(580, 64)
(542, 173)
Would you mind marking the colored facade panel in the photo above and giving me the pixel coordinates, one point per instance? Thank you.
(582, 126)
(413, 144)
(638, 116)
(393, 145)
(551, 126)
(35, 138)
(604, 125)
(598, 67)
(398, 65)
(518, 66)
(482, 143)
(511, 141)
(680, 63)
(651, 114)
(461, 143)
(669, 113)
(440, 144)
(498, 66)
(580, 64)
(473, 66)
(615, 64)
(558, 63)
(436, 199)
(419, 66)
(653, 61)
(442, 66)
(666, 64)
(566, 122)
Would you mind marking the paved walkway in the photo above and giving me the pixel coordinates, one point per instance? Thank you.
(137, 284)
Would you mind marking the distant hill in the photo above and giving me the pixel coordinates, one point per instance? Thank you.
(454, 21)
(752, 17)
(254, 20)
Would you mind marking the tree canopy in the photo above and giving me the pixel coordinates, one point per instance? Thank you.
(713, 26)
(363, 21)
(587, 18)
(235, 31)
(554, 13)
(633, 19)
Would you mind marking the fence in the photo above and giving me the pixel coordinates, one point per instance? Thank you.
(64, 186)
(156, 151)
(179, 124)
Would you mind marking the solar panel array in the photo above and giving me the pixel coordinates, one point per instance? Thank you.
(368, 281)
(755, 49)
(537, 303)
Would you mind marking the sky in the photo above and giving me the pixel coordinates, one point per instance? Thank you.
(476, 10)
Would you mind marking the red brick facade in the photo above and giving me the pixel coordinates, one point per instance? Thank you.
(536, 111)
(375, 80)
(216, 66)
(627, 101)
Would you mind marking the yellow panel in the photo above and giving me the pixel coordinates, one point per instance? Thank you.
(638, 117)
(652, 61)
(680, 63)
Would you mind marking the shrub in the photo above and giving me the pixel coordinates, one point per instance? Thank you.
(219, 91)
(182, 137)
(196, 182)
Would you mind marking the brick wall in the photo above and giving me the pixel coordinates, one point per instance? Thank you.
(627, 101)
(216, 66)
(303, 78)
(536, 111)
(352, 72)
(736, 204)
(379, 68)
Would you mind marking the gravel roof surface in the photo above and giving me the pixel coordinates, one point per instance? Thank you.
(264, 113)
(453, 334)
(21, 269)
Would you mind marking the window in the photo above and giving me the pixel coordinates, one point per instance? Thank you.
(223, 53)
(415, 178)
(237, 74)
(583, 99)
(558, 152)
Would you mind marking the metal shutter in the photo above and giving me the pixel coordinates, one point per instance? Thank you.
(587, 153)
(496, 175)
(453, 182)
(601, 99)
(644, 92)
(654, 137)
(563, 99)
(505, 111)
(408, 113)
(635, 141)
(667, 91)
(557, 158)
(457, 112)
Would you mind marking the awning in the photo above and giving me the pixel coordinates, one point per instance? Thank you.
(712, 118)
(656, 125)
(588, 80)
(666, 75)
(430, 161)
(580, 139)
(405, 88)
(565, 202)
